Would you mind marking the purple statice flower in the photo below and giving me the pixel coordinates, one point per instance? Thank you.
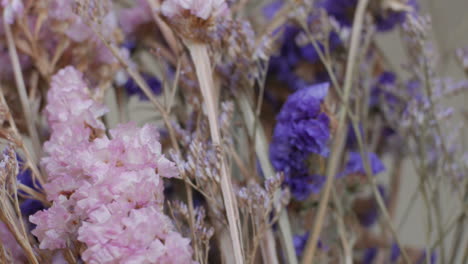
(270, 10)
(28, 206)
(369, 217)
(132, 87)
(300, 242)
(395, 253)
(369, 255)
(385, 79)
(385, 19)
(291, 53)
(25, 177)
(352, 139)
(355, 164)
(302, 129)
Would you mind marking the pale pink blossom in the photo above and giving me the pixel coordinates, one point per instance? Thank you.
(138, 14)
(203, 9)
(55, 225)
(106, 192)
(10, 244)
(11, 10)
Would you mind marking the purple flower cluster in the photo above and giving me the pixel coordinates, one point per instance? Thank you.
(132, 87)
(355, 164)
(300, 242)
(302, 130)
(370, 254)
(283, 66)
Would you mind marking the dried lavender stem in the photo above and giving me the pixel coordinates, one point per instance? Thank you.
(25, 104)
(261, 147)
(338, 145)
(199, 53)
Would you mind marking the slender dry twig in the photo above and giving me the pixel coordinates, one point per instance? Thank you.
(26, 105)
(339, 140)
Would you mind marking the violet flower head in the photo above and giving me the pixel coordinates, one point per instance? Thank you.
(154, 84)
(369, 217)
(387, 79)
(283, 66)
(299, 242)
(28, 206)
(369, 255)
(355, 164)
(270, 10)
(302, 129)
(395, 253)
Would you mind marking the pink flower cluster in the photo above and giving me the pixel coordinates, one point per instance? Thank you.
(76, 28)
(107, 192)
(203, 9)
(12, 9)
(9, 243)
(138, 14)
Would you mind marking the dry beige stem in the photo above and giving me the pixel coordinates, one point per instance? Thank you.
(199, 53)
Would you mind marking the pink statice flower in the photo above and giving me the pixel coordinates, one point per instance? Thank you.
(9, 243)
(107, 193)
(11, 10)
(56, 225)
(77, 28)
(138, 14)
(203, 9)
